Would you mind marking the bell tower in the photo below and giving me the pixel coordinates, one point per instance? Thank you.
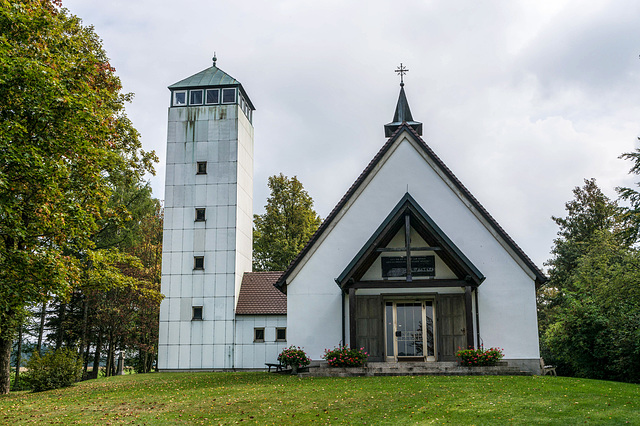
(208, 219)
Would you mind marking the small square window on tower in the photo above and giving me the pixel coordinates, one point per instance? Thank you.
(179, 98)
(281, 334)
(258, 334)
(198, 262)
(201, 168)
(228, 96)
(196, 97)
(213, 96)
(200, 214)
(196, 313)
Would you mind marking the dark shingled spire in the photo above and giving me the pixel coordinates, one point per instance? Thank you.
(402, 115)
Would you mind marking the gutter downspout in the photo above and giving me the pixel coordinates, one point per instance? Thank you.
(343, 306)
(477, 320)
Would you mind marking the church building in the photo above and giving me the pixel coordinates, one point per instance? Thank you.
(408, 264)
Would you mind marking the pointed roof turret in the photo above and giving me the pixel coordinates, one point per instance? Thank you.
(403, 113)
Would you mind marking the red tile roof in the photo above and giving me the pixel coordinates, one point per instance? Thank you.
(259, 296)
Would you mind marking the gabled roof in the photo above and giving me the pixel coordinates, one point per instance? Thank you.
(539, 276)
(428, 230)
(258, 296)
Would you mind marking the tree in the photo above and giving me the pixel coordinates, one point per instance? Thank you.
(588, 311)
(588, 213)
(63, 133)
(595, 330)
(286, 226)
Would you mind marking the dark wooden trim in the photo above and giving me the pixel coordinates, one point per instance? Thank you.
(352, 317)
(391, 249)
(404, 284)
(468, 316)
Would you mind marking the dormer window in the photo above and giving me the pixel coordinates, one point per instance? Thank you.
(196, 97)
(213, 96)
(228, 96)
(179, 98)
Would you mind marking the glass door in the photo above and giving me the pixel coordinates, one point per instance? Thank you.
(409, 330)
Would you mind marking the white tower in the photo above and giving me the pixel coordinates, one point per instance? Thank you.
(208, 219)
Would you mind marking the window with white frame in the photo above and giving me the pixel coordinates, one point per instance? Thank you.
(179, 97)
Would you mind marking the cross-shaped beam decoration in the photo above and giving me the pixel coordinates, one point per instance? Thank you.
(402, 71)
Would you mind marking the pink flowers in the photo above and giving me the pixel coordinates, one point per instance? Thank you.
(294, 356)
(343, 356)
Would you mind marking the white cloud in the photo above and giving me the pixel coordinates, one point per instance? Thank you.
(522, 99)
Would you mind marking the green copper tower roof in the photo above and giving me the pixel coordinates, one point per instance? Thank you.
(212, 76)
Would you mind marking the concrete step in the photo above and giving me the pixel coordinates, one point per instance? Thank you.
(414, 369)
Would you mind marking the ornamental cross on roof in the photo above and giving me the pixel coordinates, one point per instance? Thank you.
(402, 71)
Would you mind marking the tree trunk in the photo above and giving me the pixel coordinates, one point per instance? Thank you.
(5, 364)
(18, 358)
(62, 315)
(96, 357)
(85, 316)
(110, 355)
(43, 315)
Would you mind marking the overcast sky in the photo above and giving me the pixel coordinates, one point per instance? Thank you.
(521, 99)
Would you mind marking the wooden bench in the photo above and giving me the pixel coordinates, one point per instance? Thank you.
(547, 369)
(278, 367)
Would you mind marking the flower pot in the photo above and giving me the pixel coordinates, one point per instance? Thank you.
(294, 369)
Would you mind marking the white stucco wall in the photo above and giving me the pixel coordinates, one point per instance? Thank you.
(507, 304)
(254, 355)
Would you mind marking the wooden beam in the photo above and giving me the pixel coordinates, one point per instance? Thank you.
(352, 317)
(393, 249)
(468, 316)
(407, 244)
(404, 284)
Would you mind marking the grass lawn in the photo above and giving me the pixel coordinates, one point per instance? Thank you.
(226, 398)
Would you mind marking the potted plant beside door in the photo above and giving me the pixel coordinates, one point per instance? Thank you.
(295, 357)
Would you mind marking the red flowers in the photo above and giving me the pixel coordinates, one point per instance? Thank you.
(480, 356)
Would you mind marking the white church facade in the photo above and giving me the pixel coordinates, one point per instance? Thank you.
(408, 265)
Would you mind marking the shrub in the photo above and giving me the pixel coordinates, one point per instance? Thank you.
(343, 356)
(54, 370)
(479, 357)
(294, 356)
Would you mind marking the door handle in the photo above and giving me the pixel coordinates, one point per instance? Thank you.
(398, 333)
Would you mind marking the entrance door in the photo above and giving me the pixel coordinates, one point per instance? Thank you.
(451, 326)
(409, 330)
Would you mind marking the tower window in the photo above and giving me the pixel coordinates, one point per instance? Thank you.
(258, 334)
(198, 263)
(281, 334)
(213, 96)
(201, 168)
(228, 96)
(196, 97)
(200, 214)
(179, 97)
(196, 313)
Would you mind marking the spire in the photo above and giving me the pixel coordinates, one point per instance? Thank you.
(403, 113)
